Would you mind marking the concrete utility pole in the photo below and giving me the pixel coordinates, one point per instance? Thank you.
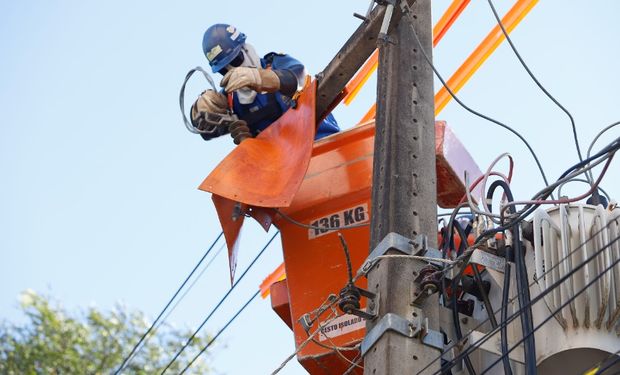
(404, 190)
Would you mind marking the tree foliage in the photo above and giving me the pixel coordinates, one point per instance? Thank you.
(53, 341)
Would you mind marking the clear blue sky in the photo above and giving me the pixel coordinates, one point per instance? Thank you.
(98, 200)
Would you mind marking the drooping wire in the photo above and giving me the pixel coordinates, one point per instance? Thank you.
(219, 332)
(572, 172)
(470, 110)
(222, 300)
(605, 129)
(537, 298)
(540, 86)
(189, 288)
(144, 336)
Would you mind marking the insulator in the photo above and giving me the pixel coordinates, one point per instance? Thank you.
(349, 298)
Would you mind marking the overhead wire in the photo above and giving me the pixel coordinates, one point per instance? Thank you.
(598, 135)
(191, 286)
(217, 306)
(470, 110)
(537, 298)
(212, 340)
(533, 77)
(558, 309)
(150, 329)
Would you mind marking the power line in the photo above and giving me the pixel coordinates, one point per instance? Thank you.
(539, 297)
(219, 332)
(542, 88)
(143, 338)
(470, 110)
(222, 300)
(536, 299)
(558, 309)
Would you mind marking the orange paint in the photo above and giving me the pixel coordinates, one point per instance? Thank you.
(275, 161)
(482, 52)
(476, 59)
(278, 274)
(445, 22)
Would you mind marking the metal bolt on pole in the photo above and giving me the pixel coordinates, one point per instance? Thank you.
(404, 190)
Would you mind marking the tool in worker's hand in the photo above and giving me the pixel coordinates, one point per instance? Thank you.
(213, 122)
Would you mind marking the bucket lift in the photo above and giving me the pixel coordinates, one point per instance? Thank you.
(310, 192)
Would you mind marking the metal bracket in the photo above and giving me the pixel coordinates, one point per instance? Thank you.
(412, 329)
(402, 244)
(372, 306)
(488, 260)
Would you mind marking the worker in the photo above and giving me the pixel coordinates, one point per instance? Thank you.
(262, 88)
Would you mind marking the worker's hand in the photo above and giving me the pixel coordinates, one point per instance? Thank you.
(259, 80)
(211, 102)
(208, 102)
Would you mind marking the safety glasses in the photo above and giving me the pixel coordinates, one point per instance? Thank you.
(236, 62)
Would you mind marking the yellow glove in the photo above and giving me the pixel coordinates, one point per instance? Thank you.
(257, 79)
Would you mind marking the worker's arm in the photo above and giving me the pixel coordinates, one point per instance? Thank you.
(289, 70)
(285, 76)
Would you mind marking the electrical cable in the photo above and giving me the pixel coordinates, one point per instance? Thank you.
(310, 337)
(143, 338)
(222, 300)
(523, 291)
(552, 314)
(189, 288)
(602, 370)
(345, 248)
(504, 313)
(542, 294)
(584, 181)
(543, 194)
(219, 332)
(540, 86)
(596, 139)
(539, 297)
(456, 322)
(470, 110)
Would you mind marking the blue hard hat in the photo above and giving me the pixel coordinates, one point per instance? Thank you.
(221, 44)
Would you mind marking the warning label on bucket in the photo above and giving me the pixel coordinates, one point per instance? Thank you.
(341, 325)
(341, 219)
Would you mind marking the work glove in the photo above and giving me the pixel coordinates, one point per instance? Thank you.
(257, 79)
(208, 102)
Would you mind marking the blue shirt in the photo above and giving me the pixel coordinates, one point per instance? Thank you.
(268, 107)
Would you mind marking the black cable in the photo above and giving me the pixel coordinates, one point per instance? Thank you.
(470, 110)
(558, 309)
(537, 298)
(540, 296)
(485, 296)
(457, 327)
(540, 86)
(191, 338)
(454, 284)
(607, 366)
(133, 350)
(523, 290)
(219, 332)
(504, 313)
(345, 248)
(543, 194)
